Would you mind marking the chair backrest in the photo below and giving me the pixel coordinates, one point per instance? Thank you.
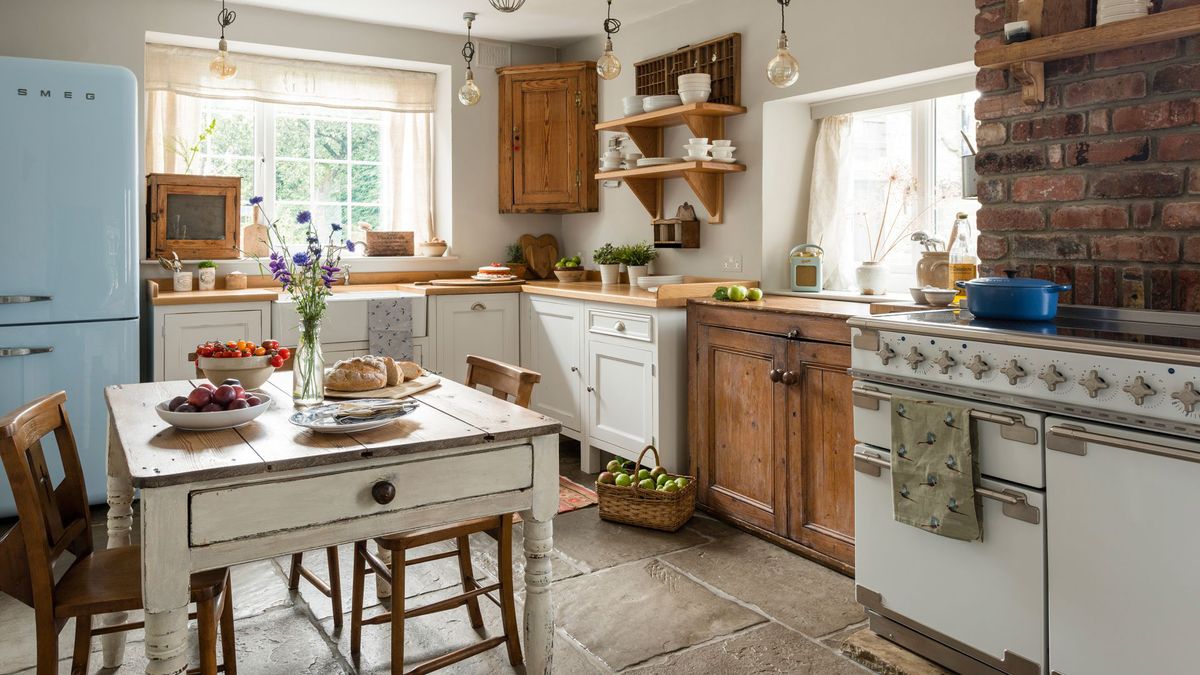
(503, 379)
(51, 520)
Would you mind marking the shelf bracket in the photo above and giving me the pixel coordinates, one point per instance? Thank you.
(705, 126)
(710, 190)
(1031, 75)
(648, 140)
(649, 193)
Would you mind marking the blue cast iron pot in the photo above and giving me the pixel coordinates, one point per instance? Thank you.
(1013, 299)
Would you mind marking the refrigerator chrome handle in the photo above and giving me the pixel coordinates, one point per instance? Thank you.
(24, 351)
(23, 299)
(1016, 504)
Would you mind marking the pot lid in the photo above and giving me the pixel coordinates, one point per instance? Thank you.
(1013, 282)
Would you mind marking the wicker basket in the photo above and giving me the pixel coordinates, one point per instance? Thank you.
(389, 243)
(666, 511)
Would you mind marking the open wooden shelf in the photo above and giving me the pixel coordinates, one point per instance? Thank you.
(1026, 59)
(707, 179)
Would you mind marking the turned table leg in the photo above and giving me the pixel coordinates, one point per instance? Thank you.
(165, 579)
(539, 546)
(120, 529)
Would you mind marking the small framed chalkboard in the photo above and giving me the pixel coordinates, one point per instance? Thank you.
(195, 217)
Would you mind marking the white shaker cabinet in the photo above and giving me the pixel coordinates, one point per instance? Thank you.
(621, 396)
(178, 329)
(1121, 514)
(484, 324)
(551, 345)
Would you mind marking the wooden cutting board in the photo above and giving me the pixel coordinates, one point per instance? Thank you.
(398, 391)
(540, 254)
(475, 282)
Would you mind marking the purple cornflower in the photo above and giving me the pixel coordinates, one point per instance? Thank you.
(304, 217)
(330, 269)
(337, 227)
(350, 245)
(256, 200)
(302, 259)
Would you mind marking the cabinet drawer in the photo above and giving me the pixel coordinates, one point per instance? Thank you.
(249, 510)
(621, 324)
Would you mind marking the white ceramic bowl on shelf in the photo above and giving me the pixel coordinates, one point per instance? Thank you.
(655, 103)
(694, 96)
(694, 81)
(722, 143)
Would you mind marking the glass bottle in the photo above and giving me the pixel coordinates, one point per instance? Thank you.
(964, 265)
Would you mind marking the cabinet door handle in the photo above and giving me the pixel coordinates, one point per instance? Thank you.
(790, 378)
(574, 369)
(591, 389)
(619, 326)
(793, 334)
(22, 299)
(775, 374)
(478, 307)
(24, 351)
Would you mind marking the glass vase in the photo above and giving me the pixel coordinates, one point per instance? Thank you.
(308, 367)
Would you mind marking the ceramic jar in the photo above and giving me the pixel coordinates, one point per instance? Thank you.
(610, 274)
(872, 278)
(933, 269)
(636, 272)
(182, 282)
(208, 278)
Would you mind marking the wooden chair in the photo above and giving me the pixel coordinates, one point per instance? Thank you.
(53, 520)
(505, 381)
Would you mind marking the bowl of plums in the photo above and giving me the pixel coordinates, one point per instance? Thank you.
(209, 407)
(250, 363)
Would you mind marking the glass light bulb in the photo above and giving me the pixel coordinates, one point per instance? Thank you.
(784, 69)
(608, 66)
(222, 66)
(469, 94)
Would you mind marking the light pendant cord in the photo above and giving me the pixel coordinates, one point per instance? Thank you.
(468, 50)
(611, 25)
(225, 18)
(783, 4)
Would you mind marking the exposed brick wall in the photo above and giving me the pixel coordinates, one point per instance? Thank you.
(1099, 188)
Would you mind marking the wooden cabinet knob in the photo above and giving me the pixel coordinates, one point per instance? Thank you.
(790, 378)
(383, 492)
(794, 334)
(775, 374)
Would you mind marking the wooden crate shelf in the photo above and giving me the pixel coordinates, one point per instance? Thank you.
(707, 180)
(1026, 59)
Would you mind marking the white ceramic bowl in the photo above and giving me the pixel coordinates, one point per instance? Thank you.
(253, 371)
(939, 297)
(694, 96)
(723, 149)
(694, 81)
(210, 421)
(697, 141)
(722, 143)
(633, 101)
(918, 295)
(653, 103)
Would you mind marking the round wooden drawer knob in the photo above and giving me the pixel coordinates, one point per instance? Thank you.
(383, 492)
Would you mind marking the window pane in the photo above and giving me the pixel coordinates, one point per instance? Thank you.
(330, 140)
(292, 231)
(330, 183)
(292, 136)
(366, 142)
(292, 181)
(884, 200)
(363, 214)
(233, 135)
(324, 215)
(365, 183)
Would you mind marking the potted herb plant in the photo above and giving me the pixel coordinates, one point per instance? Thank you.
(608, 259)
(208, 275)
(514, 257)
(637, 259)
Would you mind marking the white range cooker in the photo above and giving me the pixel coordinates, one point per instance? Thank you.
(1088, 439)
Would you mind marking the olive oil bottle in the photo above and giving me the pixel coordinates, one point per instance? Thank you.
(964, 266)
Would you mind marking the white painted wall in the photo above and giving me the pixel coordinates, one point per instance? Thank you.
(837, 44)
(113, 32)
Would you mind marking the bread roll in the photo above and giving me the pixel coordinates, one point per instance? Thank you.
(358, 374)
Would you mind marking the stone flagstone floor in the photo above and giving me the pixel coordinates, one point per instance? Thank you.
(707, 599)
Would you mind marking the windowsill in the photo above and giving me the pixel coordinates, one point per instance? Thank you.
(848, 296)
(356, 264)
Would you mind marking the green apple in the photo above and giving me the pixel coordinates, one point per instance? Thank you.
(754, 294)
(614, 466)
(643, 474)
(646, 484)
(737, 293)
(607, 478)
(623, 480)
(670, 487)
(657, 471)
(681, 482)
(662, 478)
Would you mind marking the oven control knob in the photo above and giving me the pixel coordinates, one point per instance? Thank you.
(1139, 390)
(886, 353)
(945, 362)
(915, 358)
(1188, 396)
(978, 366)
(1052, 377)
(1014, 372)
(1094, 383)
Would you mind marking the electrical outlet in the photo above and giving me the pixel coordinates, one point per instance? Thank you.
(731, 263)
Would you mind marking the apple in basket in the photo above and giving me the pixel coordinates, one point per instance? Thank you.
(623, 474)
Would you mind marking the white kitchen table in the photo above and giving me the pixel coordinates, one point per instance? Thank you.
(221, 498)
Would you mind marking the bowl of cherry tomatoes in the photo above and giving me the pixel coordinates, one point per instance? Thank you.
(242, 360)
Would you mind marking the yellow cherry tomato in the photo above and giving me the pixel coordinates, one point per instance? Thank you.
(260, 352)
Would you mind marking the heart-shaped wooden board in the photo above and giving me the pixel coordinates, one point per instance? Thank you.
(540, 253)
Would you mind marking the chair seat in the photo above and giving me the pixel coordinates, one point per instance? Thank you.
(430, 535)
(110, 580)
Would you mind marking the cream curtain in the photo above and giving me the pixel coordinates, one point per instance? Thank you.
(829, 212)
(408, 176)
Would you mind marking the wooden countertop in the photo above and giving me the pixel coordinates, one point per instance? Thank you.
(424, 288)
(785, 304)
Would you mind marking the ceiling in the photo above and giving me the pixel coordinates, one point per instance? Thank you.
(553, 23)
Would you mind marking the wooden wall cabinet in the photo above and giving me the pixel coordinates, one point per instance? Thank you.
(547, 144)
(769, 427)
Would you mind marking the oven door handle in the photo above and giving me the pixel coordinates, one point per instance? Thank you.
(1073, 440)
(1016, 504)
(1013, 427)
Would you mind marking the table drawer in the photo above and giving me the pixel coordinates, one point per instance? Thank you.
(288, 503)
(621, 324)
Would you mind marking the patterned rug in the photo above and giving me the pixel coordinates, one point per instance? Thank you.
(571, 497)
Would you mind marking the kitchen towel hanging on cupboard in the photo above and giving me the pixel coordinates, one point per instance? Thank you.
(934, 468)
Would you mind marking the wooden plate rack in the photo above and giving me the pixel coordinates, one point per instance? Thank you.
(720, 57)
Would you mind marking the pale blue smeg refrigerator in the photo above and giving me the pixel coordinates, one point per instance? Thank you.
(68, 232)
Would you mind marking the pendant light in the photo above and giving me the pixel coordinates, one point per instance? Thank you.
(507, 6)
(221, 65)
(469, 94)
(784, 69)
(608, 66)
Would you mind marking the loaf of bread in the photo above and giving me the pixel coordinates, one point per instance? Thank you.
(394, 376)
(409, 370)
(363, 373)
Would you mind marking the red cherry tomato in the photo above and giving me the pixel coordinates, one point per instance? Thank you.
(285, 353)
(276, 361)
